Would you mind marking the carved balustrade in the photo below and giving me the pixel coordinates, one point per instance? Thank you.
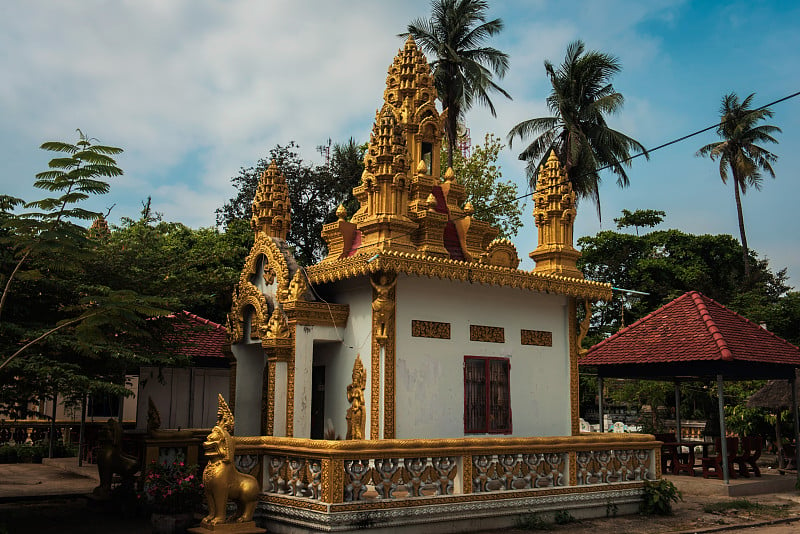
(354, 471)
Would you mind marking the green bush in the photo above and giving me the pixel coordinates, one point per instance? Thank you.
(659, 496)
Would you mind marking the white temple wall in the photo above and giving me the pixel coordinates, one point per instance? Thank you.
(339, 358)
(308, 342)
(430, 372)
(250, 361)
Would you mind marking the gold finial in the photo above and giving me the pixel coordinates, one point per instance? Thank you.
(341, 213)
(422, 167)
(224, 415)
(431, 201)
(468, 208)
(449, 175)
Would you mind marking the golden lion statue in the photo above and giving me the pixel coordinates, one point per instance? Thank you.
(221, 479)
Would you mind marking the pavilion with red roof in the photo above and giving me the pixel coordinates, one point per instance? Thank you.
(690, 338)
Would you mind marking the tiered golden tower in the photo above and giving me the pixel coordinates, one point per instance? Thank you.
(271, 207)
(554, 214)
(406, 206)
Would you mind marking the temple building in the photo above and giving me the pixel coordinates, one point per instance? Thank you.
(416, 375)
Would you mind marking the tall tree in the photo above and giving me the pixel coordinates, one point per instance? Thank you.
(62, 330)
(581, 98)
(464, 67)
(739, 151)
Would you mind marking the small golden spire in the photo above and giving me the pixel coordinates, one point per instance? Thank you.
(431, 201)
(449, 175)
(271, 205)
(422, 168)
(341, 213)
(468, 208)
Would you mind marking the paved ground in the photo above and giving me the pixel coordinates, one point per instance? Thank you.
(51, 498)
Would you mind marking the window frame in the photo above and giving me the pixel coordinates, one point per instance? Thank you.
(488, 404)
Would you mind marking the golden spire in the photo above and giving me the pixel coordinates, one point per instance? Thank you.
(554, 214)
(271, 206)
(99, 228)
(402, 177)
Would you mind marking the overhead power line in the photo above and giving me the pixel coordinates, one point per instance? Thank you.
(489, 209)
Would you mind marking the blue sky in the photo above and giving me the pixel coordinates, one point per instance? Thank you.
(194, 90)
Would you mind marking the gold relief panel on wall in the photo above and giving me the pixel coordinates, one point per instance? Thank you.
(487, 334)
(430, 329)
(540, 338)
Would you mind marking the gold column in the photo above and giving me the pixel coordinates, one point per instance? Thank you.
(574, 377)
(383, 336)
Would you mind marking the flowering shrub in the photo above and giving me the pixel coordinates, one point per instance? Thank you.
(172, 487)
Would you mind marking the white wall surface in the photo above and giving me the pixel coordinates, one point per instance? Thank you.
(250, 361)
(186, 398)
(430, 374)
(338, 358)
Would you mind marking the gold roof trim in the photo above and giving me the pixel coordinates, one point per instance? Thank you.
(445, 268)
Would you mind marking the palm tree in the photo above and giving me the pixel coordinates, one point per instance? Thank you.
(582, 96)
(739, 152)
(463, 68)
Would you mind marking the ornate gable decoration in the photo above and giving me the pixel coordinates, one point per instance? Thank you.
(264, 267)
(271, 206)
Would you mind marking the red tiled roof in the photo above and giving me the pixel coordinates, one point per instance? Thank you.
(692, 328)
(197, 337)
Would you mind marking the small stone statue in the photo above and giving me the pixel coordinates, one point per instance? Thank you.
(111, 460)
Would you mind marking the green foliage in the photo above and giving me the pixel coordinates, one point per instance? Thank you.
(64, 329)
(33, 453)
(666, 264)
(315, 191)
(581, 98)
(494, 200)
(463, 66)
(563, 517)
(659, 495)
(640, 218)
(172, 487)
(532, 522)
(195, 268)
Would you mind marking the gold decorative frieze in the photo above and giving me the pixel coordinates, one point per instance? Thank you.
(539, 338)
(491, 275)
(430, 329)
(383, 336)
(316, 313)
(487, 334)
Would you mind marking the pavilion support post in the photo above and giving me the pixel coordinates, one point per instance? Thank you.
(796, 421)
(600, 403)
(722, 432)
(678, 410)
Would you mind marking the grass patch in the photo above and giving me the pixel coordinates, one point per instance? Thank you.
(744, 505)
